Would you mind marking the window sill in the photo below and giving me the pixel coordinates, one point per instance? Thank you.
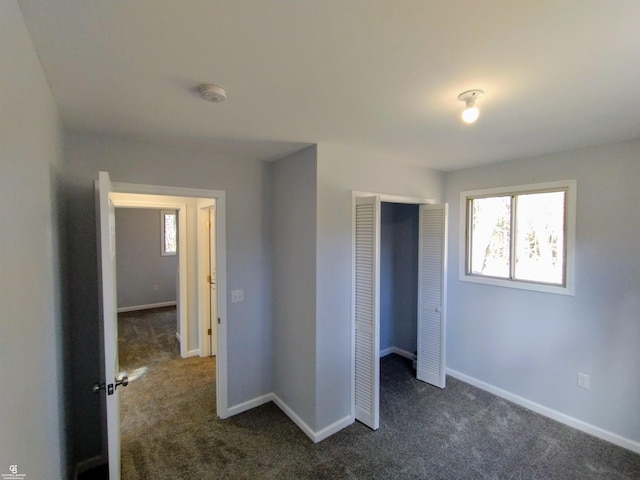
(520, 285)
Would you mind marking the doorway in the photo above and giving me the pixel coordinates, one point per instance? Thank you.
(106, 200)
(431, 299)
(399, 279)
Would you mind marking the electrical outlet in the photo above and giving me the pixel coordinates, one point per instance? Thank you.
(237, 296)
(584, 380)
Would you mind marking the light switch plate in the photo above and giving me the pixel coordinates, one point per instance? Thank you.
(237, 296)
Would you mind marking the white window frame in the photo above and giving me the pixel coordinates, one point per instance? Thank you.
(570, 236)
(163, 213)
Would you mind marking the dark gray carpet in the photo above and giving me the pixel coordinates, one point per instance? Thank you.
(170, 430)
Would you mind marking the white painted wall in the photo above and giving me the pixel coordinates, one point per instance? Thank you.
(533, 344)
(248, 216)
(32, 409)
(139, 261)
(341, 170)
(294, 282)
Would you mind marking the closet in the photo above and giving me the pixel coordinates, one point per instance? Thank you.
(399, 293)
(399, 224)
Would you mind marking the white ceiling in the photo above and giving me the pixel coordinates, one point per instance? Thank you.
(376, 75)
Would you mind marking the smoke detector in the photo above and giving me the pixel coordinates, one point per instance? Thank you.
(212, 92)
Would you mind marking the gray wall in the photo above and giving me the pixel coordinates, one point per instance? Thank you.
(294, 282)
(249, 322)
(399, 276)
(533, 344)
(139, 262)
(32, 407)
(340, 171)
(386, 276)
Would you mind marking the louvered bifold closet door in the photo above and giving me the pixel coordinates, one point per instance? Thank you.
(432, 259)
(367, 342)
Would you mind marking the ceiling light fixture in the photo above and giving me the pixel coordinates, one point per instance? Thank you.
(212, 92)
(471, 112)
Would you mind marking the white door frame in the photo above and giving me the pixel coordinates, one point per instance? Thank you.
(383, 198)
(221, 253)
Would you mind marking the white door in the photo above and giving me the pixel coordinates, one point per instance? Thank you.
(207, 279)
(106, 226)
(213, 293)
(367, 321)
(432, 260)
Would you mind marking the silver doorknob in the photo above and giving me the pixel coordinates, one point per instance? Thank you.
(124, 381)
(110, 388)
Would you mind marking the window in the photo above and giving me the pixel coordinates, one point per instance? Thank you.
(521, 237)
(169, 232)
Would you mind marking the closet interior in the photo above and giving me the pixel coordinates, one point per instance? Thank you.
(399, 235)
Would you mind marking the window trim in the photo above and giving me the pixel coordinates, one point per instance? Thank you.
(570, 226)
(163, 245)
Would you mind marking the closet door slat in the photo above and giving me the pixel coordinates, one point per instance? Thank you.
(367, 281)
(432, 260)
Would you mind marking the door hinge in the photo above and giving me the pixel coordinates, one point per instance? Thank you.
(218, 320)
(209, 332)
(209, 279)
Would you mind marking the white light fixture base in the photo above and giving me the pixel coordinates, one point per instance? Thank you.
(471, 112)
(470, 95)
(212, 92)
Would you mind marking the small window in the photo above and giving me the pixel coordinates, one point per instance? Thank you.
(521, 237)
(169, 232)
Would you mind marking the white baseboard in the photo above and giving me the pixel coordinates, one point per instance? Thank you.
(190, 353)
(550, 413)
(397, 351)
(248, 405)
(88, 464)
(386, 351)
(335, 427)
(146, 307)
(308, 431)
(288, 411)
